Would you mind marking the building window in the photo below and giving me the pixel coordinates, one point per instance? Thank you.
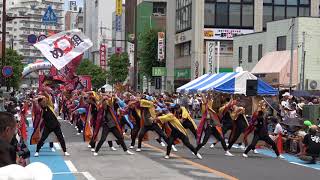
(229, 14)
(209, 18)
(282, 9)
(183, 15)
(247, 15)
(281, 43)
(259, 52)
(222, 14)
(235, 15)
(249, 54)
(184, 49)
(240, 55)
(159, 7)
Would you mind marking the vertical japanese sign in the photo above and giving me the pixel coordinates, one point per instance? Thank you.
(161, 46)
(118, 23)
(118, 7)
(103, 56)
(210, 45)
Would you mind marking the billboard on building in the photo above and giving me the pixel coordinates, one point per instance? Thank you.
(224, 34)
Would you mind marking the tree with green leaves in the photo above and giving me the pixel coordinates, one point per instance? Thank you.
(14, 59)
(98, 75)
(119, 68)
(148, 52)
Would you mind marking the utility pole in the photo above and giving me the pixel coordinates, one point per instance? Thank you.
(218, 57)
(4, 31)
(303, 60)
(291, 54)
(135, 62)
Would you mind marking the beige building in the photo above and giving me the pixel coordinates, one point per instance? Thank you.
(249, 49)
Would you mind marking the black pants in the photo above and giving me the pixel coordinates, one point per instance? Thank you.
(116, 133)
(188, 125)
(134, 133)
(264, 138)
(225, 128)
(57, 131)
(211, 130)
(175, 134)
(234, 137)
(79, 125)
(153, 127)
(65, 115)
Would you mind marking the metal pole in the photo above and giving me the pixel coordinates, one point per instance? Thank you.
(135, 62)
(303, 60)
(291, 54)
(218, 58)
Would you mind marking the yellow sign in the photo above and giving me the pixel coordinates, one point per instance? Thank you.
(118, 7)
(208, 33)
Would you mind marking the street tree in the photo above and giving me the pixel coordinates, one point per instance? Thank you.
(119, 68)
(148, 52)
(98, 75)
(14, 59)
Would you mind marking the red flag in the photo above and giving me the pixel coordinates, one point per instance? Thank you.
(279, 143)
(23, 126)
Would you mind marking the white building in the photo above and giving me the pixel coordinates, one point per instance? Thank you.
(19, 29)
(97, 25)
(250, 48)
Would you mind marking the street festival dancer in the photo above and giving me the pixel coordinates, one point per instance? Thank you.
(239, 122)
(210, 124)
(51, 124)
(261, 133)
(177, 131)
(110, 124)
(147, 116)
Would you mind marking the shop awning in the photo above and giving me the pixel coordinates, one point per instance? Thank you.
(274, 68)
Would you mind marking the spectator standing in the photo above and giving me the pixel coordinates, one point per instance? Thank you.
(7, 131)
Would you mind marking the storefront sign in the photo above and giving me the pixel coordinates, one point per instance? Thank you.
(159, 71)
(196, 72)
(182, 73)
(210, 56)
(118, 24)
(180, 38)
(224, 34)
(161, 46)
(118, 7)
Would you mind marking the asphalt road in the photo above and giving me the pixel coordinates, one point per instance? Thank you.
(150, 163)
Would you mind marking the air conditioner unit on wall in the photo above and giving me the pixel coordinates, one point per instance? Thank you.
(313, 84)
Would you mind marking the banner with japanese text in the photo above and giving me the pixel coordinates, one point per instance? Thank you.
(62, 48)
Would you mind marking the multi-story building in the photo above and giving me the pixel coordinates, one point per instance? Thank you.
(97, 25)
(191, 23)
(19, 29)
(150, 14)
(273, 47)
(71, 15)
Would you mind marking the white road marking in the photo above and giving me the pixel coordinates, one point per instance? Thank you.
(299, 164)
(85, 174)
(71, 167)
(57, 146)
(88, 176)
